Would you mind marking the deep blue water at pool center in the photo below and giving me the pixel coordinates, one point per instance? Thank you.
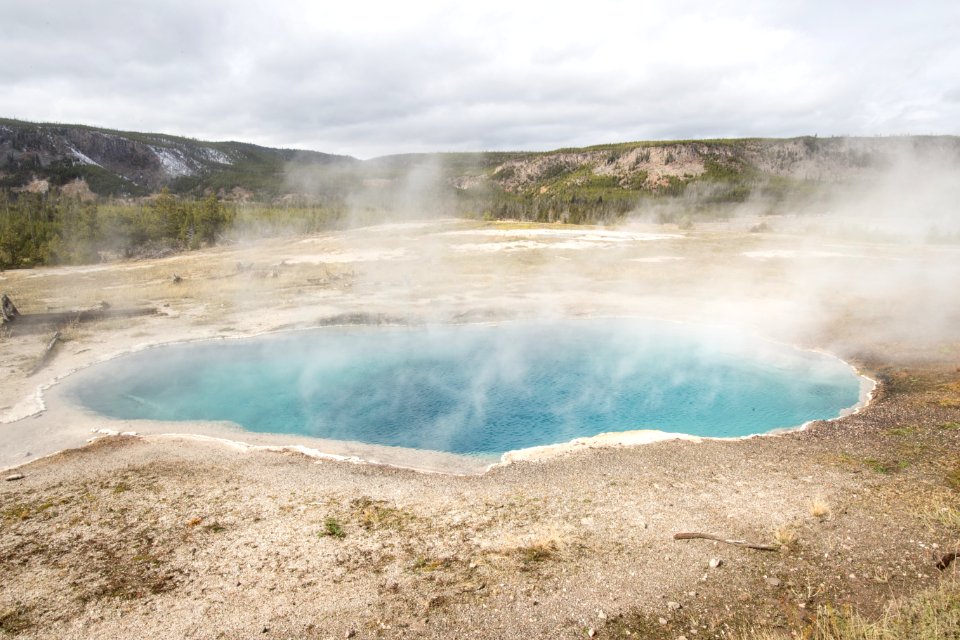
(479, 389)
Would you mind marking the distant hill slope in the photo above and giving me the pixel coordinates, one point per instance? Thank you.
(503, 184)
(131, 163)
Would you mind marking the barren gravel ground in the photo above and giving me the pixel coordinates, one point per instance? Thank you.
(164, 537)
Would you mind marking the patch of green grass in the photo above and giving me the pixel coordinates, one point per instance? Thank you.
(885, 467)
(18, 511)
(902, 431)
(332, 529)
(950, 426)
(121, 487)
(874, 464)
(953, 478)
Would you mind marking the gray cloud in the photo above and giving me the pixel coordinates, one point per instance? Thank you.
(367, 78)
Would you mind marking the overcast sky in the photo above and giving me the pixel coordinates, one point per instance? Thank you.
(367, 78)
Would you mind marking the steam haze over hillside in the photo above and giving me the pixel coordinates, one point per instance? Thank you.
(370, 78)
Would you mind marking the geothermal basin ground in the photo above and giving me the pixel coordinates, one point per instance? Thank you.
(194, 529)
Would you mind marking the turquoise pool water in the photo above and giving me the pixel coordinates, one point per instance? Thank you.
(479, 389)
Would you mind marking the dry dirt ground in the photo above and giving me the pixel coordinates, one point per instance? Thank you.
(170, 537)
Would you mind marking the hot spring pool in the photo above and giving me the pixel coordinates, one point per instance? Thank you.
(479, 389)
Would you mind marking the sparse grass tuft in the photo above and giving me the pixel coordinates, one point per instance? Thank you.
(933, 614)
(332, 529)
(786, 536)
(819, 508)
(376, 515)
(425, 564)
(537, 551)
(941, 510)
(533, 549)
(930, 615)
(951, 426)
(13, 621)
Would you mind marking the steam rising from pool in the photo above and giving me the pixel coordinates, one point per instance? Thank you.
(476, 389)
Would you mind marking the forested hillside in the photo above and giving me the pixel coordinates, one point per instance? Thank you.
(73, 194)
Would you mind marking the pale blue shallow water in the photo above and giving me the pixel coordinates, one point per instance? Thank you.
(479, 389)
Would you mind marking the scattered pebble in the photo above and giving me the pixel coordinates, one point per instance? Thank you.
(674, 605)
(773, 582)
(715, 563)
(591, 632)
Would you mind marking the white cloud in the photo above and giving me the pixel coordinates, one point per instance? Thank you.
(370, 77)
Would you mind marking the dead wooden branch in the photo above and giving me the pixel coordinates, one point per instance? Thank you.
(691, 535)
(47, 353)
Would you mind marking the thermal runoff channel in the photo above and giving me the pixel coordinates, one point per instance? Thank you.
(480, 389)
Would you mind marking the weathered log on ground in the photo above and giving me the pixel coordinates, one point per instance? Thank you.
(691, 535)
(37, 322)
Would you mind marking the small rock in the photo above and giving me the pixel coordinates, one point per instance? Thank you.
(715, 563)
(591, 632)
(15, 476)
(681, 637)
(773, 582)
(662, 621)
(674, 606)
(350, 634)
(601, 615)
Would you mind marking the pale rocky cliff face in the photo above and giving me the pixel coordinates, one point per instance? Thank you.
(650, 165)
